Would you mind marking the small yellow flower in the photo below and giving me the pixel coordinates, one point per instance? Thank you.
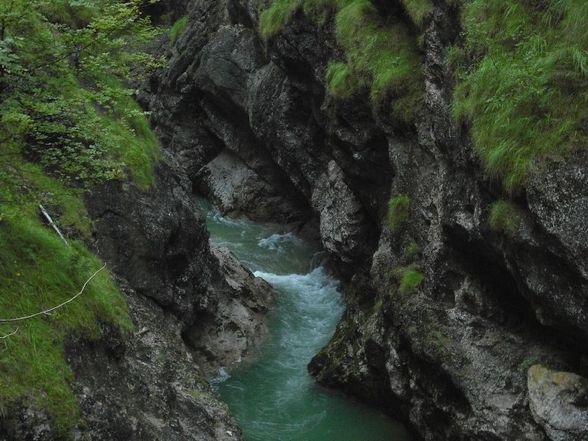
(17, 274)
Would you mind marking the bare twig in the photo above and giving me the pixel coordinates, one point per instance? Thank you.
(143, 331)
(4, 337)
(47, 311)
(46, 215)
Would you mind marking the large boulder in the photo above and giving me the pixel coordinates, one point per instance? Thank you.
(237, 325)
(155, 239)
(559, 402)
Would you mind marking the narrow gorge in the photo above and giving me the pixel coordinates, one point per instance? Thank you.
(354, 220)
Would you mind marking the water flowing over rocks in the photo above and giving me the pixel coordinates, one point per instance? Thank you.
(250, 122)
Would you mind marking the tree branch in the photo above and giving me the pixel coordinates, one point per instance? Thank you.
(48, 218)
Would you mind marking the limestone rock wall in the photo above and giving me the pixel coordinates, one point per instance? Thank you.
(250, 121)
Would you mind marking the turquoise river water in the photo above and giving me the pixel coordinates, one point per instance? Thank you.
(273, 397)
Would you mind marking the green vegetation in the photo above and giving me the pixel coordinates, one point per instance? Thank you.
(505, 217)
(384, 54)
(67, 122)
(411, 279)
(526, 364)
(522, 71)
(273, 19)
(380, 56)
(341, 81)
(178, 28)
(438, 343)
(418, 10)
(65, 103)
(411, 250)
(197, 394)
(398, 211)
(39, 271)
(523, 82)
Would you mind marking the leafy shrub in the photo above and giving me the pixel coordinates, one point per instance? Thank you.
(67, 120)
(78, 133)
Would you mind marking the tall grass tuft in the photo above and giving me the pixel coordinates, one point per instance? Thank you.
(178, 28)
(523, 83)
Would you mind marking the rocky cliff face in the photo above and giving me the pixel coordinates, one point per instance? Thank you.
(462, 331)
(195, 308)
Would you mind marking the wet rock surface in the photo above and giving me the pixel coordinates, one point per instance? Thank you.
(155, 239)
(250, 120)
(196, 309)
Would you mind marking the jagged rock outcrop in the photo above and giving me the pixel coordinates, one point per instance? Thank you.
(148, 386)
(156, 240)
(448, 355)
(194, 309)
(236, 325)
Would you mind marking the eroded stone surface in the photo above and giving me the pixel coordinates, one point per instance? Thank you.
(559, 402)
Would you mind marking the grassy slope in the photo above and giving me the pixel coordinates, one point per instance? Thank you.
(80, 128)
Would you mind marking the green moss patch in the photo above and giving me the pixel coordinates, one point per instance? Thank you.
(411, 279)
(418, 10)
(342, 81)
(273, 19)
(411, 251)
